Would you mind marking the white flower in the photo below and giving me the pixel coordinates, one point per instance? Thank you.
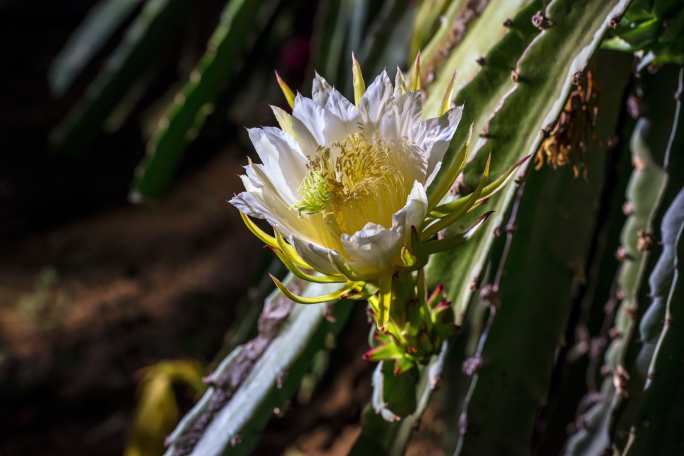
(345, 183)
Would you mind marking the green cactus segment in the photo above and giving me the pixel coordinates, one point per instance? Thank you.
(144, 38)
(644, 194)
(383, 431)
(484, 33)
(86, 41)
(258, 378)
(240, 21)
(426, 21)
(481, 96)
(543, 77)
(551, 243)
(658, 430)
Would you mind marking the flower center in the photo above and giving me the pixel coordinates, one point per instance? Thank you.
(355, 181)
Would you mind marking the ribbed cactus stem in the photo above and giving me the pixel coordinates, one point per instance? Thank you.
(258, 377)
(194, 102)
(143, 38)
(644, 192)
(657, 430)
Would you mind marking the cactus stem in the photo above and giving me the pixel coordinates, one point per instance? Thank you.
(675, 119)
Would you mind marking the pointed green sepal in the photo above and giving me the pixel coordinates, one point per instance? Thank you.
(345, 269)
(272, 243)
(448, 96)
(403, 365)
(385, 301)
(357, 81)
(454, 241)
(302, 274)
(446, 181)
(287, 91)
(258, 232)
(330, 297)
(458, 210)
(415, 75)
(383, 352)
(493, 187)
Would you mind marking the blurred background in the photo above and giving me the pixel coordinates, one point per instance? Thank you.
(124, 274)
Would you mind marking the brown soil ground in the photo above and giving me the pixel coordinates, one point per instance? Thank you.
(85, 306)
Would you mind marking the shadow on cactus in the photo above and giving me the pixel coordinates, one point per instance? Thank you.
(353, 194)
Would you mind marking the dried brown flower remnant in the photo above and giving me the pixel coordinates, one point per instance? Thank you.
(565, 142)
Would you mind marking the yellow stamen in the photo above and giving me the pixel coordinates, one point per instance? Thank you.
(353, 182)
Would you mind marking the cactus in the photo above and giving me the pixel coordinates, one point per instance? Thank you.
(86, 41)
(656, 430)
(383, 432)
(467, 35)
(644, 192)
(257, 378)
(515, 368)
(194, 102)
(519, 132)
(531, 84)
(516, 93)
(427, 19)
(144, 37)
(481, 97)
(609, 421)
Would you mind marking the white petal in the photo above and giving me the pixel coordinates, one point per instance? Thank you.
(400, 84)
(375, 249)
(413, 213)
(324, 126)
(437, 135)
(376, 98)
(329, 98)
(262, 200)
(402, 118)
(295, 129)
(284, 163)
(319, 257)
